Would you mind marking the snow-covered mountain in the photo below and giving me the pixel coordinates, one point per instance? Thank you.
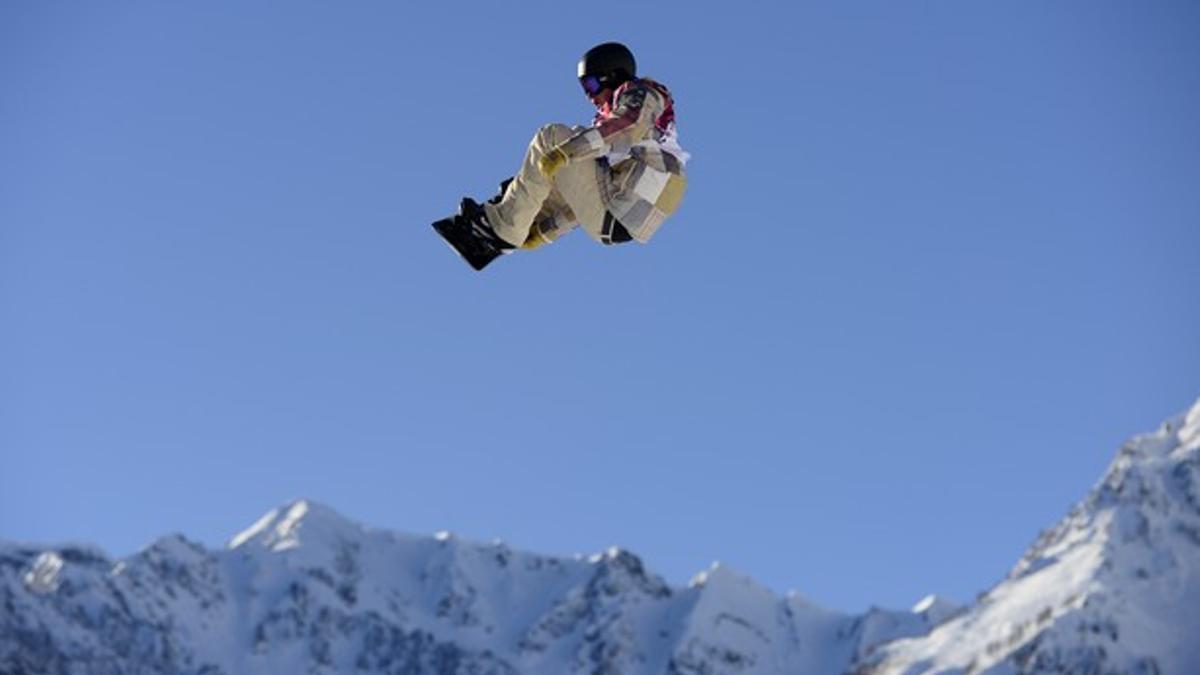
(1114, 588)
(305, 590)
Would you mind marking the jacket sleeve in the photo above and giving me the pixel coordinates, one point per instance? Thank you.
(634, 115)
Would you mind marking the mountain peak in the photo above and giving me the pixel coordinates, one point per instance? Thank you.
(294, 523)
(936, 609)
(1189, 427)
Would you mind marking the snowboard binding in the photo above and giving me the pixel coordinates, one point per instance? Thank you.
(470, 234)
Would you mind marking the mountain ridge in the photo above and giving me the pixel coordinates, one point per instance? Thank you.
(1108, 589)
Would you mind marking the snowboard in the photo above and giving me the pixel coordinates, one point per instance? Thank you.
(477, 248)
(477, 245)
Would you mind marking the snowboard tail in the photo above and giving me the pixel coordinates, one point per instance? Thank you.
(470, 235)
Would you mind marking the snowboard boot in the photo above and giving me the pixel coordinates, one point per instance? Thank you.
(474, 213)
(500, 195)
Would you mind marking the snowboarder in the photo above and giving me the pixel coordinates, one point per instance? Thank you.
(618, 179)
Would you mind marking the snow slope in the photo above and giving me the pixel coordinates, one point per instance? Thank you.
(1113, 588)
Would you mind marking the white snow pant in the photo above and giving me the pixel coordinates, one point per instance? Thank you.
(575, 193)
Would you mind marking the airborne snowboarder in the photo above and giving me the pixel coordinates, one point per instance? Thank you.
(618, 179)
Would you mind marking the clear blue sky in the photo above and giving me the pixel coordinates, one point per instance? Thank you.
(936, 262)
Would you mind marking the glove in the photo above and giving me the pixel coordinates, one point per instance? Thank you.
(535, 238)
(552, 161)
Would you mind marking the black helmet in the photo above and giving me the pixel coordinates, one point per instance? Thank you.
(610, 63)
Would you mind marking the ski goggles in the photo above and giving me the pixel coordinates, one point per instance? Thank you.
(591, 84)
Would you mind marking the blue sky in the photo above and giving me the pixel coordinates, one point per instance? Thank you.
(936, 262)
